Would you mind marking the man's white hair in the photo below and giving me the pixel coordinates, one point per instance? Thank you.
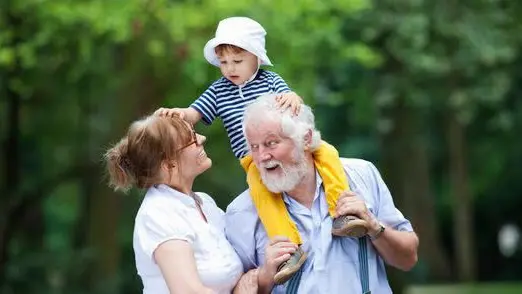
(266, 108)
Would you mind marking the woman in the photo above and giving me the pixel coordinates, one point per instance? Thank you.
(179, 240)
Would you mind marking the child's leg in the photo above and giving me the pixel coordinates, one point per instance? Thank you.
(270, 206)
(329, 167)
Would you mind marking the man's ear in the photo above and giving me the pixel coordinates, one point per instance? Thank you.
(308, 139)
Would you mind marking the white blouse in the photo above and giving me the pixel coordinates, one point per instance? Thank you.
(166, 214)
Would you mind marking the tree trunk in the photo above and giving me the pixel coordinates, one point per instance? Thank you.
(103, 234)
(140, 96)
(11, 155)
(462, 202)
(407, 173)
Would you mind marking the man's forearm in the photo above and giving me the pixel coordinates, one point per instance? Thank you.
(398, 248)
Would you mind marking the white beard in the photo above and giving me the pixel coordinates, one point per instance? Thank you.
(291, 177)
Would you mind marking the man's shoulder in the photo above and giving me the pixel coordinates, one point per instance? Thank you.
(359, 170)
(242, 203)
(362, 175)
(356, 164)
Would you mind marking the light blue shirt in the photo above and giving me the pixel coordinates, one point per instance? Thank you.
(332, 265)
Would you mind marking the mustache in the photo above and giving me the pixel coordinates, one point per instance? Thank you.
(271, 163)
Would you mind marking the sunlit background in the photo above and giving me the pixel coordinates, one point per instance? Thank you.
(428, 90)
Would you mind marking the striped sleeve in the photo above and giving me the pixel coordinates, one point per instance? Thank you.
(279, 85)
(206, 105)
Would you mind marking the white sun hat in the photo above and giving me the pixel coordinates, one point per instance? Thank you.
(239, 31)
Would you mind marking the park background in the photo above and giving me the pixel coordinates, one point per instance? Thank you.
(428, 90)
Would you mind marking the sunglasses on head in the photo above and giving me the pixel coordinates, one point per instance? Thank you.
(194, 139)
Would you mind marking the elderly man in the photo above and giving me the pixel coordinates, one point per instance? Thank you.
(281, 146)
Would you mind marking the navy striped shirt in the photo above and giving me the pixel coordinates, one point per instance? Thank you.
(227, 101)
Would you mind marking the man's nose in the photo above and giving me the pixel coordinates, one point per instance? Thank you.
(265, 155)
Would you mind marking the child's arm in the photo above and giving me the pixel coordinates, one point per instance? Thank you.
(290, 99)
(189, 114)
(285, 97)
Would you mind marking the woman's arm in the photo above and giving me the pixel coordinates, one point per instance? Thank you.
(176, 260)
(247, 284)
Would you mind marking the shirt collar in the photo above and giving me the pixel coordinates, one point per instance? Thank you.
(188, 200)
(318, 184)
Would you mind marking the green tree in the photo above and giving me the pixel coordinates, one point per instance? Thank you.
(444, 60)
(75, 75)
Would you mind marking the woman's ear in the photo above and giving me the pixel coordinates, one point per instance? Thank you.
(167, 165)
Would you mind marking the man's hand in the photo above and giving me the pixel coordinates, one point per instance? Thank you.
(350, 204)
(290, 99)
(247, 284)
(170, 112)
(277, 252)
(397, 248)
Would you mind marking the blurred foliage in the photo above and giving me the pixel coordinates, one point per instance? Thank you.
(468, 289)
(395, 82)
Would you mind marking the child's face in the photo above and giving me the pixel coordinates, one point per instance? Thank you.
(237, 67)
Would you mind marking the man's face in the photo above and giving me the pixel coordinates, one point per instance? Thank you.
(280, 161)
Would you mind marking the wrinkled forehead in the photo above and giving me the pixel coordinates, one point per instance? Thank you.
(262, 128)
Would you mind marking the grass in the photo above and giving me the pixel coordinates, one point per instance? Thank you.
(496, 288)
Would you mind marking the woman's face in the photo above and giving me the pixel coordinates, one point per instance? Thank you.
(193, 158)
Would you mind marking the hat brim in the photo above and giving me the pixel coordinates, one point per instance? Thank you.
(210, 53)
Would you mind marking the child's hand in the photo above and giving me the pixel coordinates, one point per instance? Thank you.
(170, 112)
(291, 100)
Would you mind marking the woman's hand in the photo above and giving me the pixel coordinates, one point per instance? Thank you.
(247, 284)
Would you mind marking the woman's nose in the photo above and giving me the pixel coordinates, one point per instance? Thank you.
(201, 139)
